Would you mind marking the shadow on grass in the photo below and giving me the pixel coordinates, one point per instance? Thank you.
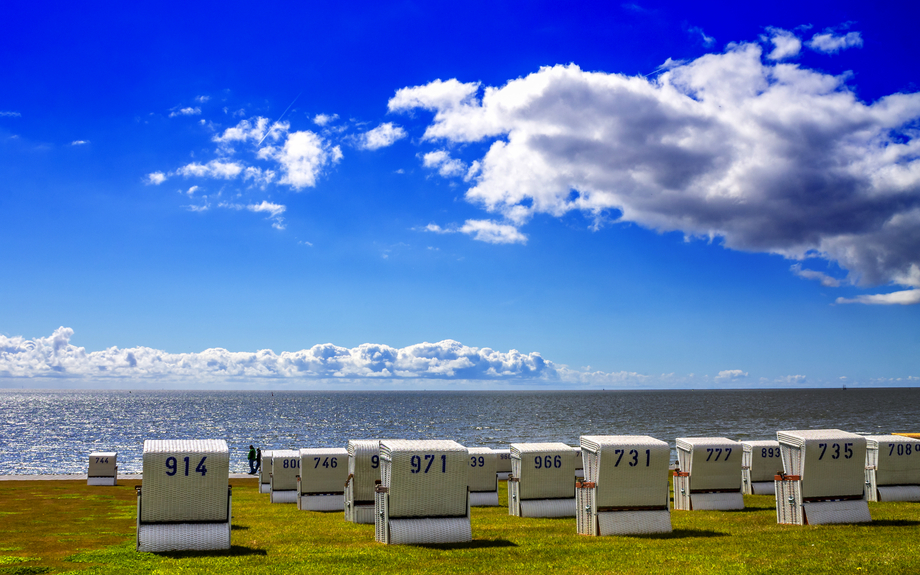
(749, 509)
(234, 551)
(889, 523)
(683, 534)
(474, 544)
(238, 527)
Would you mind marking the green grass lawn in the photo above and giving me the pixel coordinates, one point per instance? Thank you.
(69, 527)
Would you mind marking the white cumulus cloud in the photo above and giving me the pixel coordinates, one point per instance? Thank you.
(156, 178)
(382, 136)
(441, 161)
(767, 156)
(302, 158)
(826, 280)
(830, 42)
(186, 112)
(903, 297)
(216, 169)
(785, 44)
(324, 119)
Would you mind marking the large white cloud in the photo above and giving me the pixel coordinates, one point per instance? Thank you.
(769, 157)
(302, 158)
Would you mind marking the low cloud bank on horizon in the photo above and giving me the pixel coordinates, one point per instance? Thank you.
(55, 359)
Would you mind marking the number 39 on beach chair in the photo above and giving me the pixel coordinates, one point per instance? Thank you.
(285, 469)
(423, 497)
(483, 477)
(363, 473)
(103, 468)
(892, 468)
(823, 478)
(760, 462)
(708, 474)
(625, 491)
(183, 503)
(321, 483)
(542, 482)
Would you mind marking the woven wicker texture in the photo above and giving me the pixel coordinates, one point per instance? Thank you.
(425, 478)
(896, 459)
(285, 496)
(430, 531)
(826, 512)
(107, 481)
(504, 460)
(103, 464)
(830, 462)
(364, 465)
(763, 460)
(483, 469)
(716, 501)
(265, 471)
(185, 480)
(585, 510)
(630, 470)
(265, 488)
(899, 492)
(762, 488)
(363, 514)
(285, 469)
(634, 522)
(183, 537)
(789, 502)
(714, 463)
(545, 470)
(682, 492)
(483, 498)
(548, 507)
(320, 503)
(323, 470)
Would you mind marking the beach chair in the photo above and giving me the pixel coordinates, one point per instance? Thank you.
(708, 474)
(103, 468)
(892, 468)
(760, 462)
(183, 503)
(265, 472)
(321, 483)
(625, 491)
(283, 478)
(363, 473)
(542, 482)
(483, 477)
(423, 495)
(503, 465)
(579, 466)
(823, 478)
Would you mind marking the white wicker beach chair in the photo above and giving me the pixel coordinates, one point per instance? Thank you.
(823, 478)
(321, 483)
(708, 474)
(760, 463)
(423, 495)
(184, 500)
(542, 482)
(363, 473)
(283, 478)
(503, 465)
(579, 466)
(103, 468)
(892, 468)
(265, 472)
(625, 491)
(483, 477)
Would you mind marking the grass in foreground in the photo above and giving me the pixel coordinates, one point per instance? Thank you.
(69, 527)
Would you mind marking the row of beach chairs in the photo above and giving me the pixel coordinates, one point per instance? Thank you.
(421, 492)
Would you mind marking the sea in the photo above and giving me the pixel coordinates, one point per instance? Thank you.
(53, 432)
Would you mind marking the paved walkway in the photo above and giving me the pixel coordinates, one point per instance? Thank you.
(82, 477)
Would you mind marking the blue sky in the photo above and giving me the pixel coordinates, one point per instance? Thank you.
(477, 195)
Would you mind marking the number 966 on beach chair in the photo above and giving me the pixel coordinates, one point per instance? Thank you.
(184, 500)
(625, 491)
(423, 497)
(321, 483)
(760, 462)
(483, 477)
(708, 474)
(542, 482)
(285, 469)
(892, 468)
(363, 473)
(823, 478)
(103, 468)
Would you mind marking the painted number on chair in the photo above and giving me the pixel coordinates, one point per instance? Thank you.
(420, 466)
(769, 452)
(901, 449)
(172, 466)
(375, 461)
(102, 460)
(290, 463)
(835, 450)
(718, 453)
(328, 462)
(632, 457)
(547, 462)
(477, 461)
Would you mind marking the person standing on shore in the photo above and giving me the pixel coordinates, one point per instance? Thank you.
(252, 460)
(258, 459)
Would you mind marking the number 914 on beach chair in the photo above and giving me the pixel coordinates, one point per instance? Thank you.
(423, 496)
(892, 468)
(542, 482)
(823, 478)
(321, 483)
(184, 500)
(625, 491)
(708, 474)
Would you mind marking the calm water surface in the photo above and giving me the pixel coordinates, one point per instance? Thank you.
(44, 432)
